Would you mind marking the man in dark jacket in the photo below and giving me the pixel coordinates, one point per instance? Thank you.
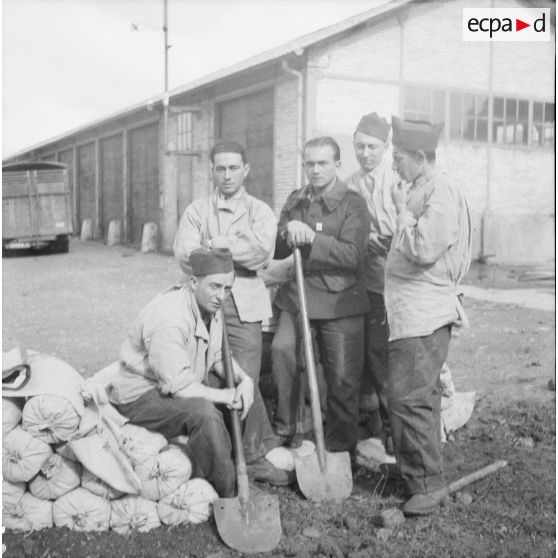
(330, 225)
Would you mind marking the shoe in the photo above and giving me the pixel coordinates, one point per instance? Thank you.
(263, 471)
(424, 504)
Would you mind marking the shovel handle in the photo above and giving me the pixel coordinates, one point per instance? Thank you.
(240, 461)
(309, 358)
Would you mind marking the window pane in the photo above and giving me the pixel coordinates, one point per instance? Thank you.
(469, 131)
(498, 107)
(549, 112)
(482, 105)
(410, 98)
(455, 116)
(423, 100)
(523, 111)
(511, 108)
(482, 130)
(538, 112)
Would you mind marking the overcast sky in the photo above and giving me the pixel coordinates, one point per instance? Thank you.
(67, 62)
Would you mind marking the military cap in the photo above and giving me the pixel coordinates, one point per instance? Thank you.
(373, 125)
(415, 135)
(206, 262)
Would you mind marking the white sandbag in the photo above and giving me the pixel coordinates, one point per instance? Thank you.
(50, 418)
(447, 388)
(133, 513)
(28, 514)
(81, 510)
(66, 452)
(163, 474)
(191, 502)
(11, 413)
(12, 492)
(97, 486)
(22, 455)
(459, 413)
(57, 477)
(307, 448)
(139, 444)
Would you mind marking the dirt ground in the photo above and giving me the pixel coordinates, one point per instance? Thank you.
(78, 306)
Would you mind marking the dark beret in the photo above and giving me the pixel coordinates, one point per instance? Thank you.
(206, 262)
(373, 125)
(415, 135)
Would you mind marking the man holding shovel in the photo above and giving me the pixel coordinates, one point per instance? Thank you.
(430, 254)
(171, 376)
(329, 224)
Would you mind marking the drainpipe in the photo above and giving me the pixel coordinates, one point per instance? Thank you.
(299, 115)
(487, 220)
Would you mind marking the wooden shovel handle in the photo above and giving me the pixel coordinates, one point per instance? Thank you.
(309, 358)
(240, 461)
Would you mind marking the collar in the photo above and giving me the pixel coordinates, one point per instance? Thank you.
(201, 330)
(222, 202)
(424, 178)
(331, 198)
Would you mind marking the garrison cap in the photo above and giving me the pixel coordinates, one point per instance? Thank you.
(206, 262)
(416, 135)
(373, 125)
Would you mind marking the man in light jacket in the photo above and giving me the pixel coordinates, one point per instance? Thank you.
(429, 256)
(231, 218)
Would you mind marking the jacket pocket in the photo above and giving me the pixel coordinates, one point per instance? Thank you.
(338, 282)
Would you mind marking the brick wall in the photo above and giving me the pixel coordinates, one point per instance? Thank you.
(285, 145)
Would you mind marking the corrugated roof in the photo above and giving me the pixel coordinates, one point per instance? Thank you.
(262, 58)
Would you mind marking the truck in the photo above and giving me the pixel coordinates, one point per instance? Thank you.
(36, 206)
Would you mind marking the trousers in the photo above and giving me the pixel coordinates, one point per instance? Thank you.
(414, 402)
(340, 342)
(376, 358)
(245, 339)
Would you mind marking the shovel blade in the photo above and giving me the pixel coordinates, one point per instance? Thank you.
(254, 527)
(335, 482)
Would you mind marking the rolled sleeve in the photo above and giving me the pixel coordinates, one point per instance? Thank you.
(169, 359)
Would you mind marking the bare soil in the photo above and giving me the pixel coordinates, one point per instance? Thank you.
(78, 306)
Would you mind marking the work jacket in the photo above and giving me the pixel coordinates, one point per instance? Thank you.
(333, 264)
(429, 256)
(168, 347)
(375, 187)
(251, 231)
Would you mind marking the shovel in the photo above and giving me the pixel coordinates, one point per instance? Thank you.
(249, 525)
(321, 475)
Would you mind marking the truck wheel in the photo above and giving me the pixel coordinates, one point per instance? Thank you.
(61, 245)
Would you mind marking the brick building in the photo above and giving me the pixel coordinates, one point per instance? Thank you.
(405, 58)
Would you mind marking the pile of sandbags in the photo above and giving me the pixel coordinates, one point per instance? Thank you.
(65, 463)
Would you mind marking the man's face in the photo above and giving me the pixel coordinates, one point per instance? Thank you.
(369, 150)
(210, 291)
(406, 164)
(320, 165)
(229, 173)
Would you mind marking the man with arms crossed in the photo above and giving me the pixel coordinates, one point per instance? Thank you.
(429, 256)
(374, 181)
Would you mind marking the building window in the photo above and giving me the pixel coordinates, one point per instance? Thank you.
(542, 132)
(468, 117)
(425, 104)
(514, 121)
(184, 139)
(511, 120)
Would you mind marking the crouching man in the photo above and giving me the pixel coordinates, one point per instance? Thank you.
(171, 376)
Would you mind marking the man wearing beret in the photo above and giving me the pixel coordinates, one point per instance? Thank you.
(231, 218)
(429, 256)
(329, 223)
(374, 181)
(171, 376)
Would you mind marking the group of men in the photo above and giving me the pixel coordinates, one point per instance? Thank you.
(383, 253)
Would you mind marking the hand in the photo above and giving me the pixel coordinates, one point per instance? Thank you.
(219, 242)
(245, 395)
(299, 234)
(399, 196)
(230, 399)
